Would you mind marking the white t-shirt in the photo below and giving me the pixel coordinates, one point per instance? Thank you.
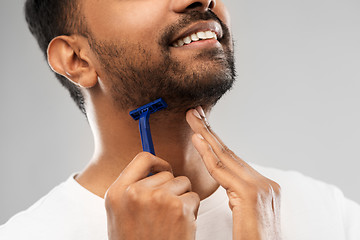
(310, 210)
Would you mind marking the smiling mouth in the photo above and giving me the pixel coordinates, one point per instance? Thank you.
(195, 37)
(200, 31)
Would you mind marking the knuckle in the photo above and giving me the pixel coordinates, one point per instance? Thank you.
(191, 205)
(183, 180)
(111, 198)
(131, 193)
(224, 150)
(177, 204)
(208, 152)
(149, 160)
(159, 197)
(219, 165)
(144, 155)
(177, 208)
(166, 175)
(195, 196)
(212, 171)
(228, 150)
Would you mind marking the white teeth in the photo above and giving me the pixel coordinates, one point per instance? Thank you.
(209, 34)
(181, 43)
(195, 37)
(201, 35)
(187, 40)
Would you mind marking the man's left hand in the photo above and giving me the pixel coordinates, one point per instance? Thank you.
(253, 198)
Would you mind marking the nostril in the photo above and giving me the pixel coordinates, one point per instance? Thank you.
(211, 5)
(195, 5)
(200, 4)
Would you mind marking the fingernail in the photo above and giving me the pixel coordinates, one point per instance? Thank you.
(200, 136)
(202, 114)
(201, 111)
(196, 113)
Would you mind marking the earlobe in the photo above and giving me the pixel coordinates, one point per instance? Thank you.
(88, 80)
(67, 58)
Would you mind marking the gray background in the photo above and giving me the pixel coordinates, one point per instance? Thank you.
(295, 105)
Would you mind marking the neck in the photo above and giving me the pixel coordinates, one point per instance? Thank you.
(117, 142)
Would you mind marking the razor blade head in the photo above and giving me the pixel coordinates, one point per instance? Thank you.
(151, 107)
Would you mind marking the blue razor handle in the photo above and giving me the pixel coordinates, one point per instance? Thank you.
(143, 114)
(145, 133)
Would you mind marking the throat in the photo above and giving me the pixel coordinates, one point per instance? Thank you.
(117, 142)
(104, 169)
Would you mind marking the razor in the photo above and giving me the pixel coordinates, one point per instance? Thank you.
(143, 114)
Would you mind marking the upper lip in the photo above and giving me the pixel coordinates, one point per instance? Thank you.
(201, 27)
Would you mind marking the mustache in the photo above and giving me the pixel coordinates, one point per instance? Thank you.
(187, 19)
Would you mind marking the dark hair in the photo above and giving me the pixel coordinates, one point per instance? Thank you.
(48, 19)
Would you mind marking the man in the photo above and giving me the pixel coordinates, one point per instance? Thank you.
(119, 55)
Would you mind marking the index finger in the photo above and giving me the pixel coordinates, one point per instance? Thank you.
(140, 167)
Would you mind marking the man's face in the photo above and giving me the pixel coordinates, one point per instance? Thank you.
(144, 51)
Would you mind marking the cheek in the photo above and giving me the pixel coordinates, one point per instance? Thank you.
(122, 22)
(222, 12)
(146, 24)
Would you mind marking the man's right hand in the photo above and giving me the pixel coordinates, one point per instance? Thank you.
(156, 207)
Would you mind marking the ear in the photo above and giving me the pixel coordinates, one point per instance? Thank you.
(66, 58)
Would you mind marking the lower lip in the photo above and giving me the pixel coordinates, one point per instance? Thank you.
(209, 43)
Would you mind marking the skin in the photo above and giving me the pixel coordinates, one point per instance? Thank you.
(191, 162)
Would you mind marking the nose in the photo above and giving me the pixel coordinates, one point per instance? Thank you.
(181, 6)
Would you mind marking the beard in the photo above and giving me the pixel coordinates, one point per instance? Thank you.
(139, 76)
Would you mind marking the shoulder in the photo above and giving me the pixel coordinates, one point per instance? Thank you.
(60, 214)
(298, 188)
(311, 206)
(296, 184)
(26, 223)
